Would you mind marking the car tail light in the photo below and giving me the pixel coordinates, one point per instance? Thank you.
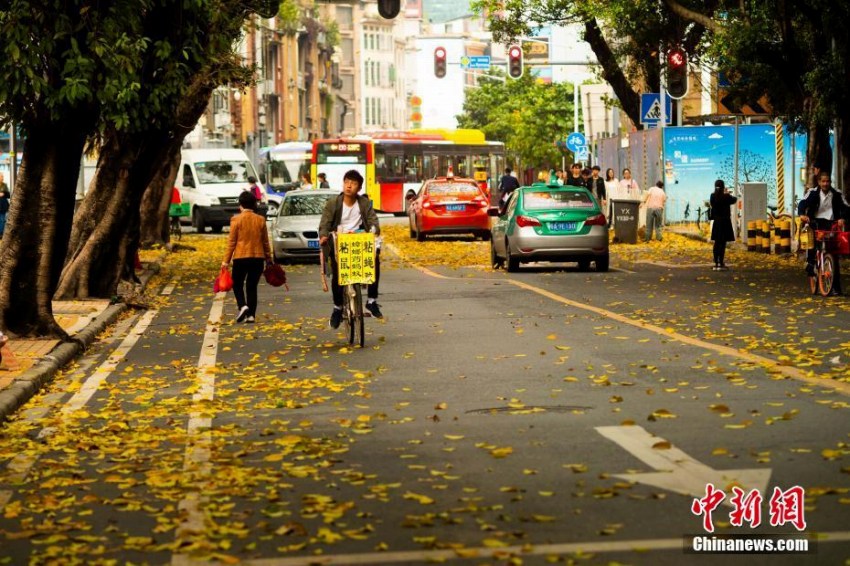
(426, 203)
(598, 220)
(523, 221)
(480, 202)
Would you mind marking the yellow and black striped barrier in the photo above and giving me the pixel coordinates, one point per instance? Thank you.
(752, 236)
(765, 237)
(784, 236)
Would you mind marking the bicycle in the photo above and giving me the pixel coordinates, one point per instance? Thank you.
(175, 211)
(829, 246)
(356, 275)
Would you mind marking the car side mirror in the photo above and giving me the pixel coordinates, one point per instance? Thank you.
(493, 211)
(189, 182)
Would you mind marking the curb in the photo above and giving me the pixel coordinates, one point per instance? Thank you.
(32, 380)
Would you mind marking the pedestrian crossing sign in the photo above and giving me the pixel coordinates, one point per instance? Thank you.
(650, 109)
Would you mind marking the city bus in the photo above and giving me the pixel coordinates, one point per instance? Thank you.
(392, 163)
(284, 164)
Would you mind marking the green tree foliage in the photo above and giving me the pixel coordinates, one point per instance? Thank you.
(528, 115)
(625, 36)
(795, 52)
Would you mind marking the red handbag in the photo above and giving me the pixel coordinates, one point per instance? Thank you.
(275, 275)
(842, 243)
(224, 282)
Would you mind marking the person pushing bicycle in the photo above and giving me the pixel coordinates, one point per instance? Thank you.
(820, 209)
(349, 212)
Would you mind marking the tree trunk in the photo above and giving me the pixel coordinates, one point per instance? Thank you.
(126, 167)
(818, 152)
(156, 200)
(842, 138)
(39, 224)
(612, 73)
(98, 248)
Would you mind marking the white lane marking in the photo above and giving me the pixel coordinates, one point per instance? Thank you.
(19, 467)
(675, 470)
(168, 289)
(95, 380)
(198, 451)
(424, 556)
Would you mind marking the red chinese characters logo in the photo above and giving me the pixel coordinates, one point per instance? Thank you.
(706, 505)
(785, 507)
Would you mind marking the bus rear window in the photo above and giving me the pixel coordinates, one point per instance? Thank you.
(558, 199)
(453, 189)
(341, 153)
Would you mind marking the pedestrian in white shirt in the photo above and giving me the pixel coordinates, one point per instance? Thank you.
(629, 188)
(655, 199)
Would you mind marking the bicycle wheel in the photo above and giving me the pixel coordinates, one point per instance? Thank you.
(349, 316)
(826, 274)
(358, 315)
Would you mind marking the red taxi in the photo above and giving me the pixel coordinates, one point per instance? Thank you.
(448, 205)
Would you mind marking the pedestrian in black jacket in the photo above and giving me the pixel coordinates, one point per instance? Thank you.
(721, 230)
(820, 209)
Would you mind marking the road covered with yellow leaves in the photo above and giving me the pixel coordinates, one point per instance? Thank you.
(546, 416)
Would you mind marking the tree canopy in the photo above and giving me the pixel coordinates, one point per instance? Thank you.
(528, 115)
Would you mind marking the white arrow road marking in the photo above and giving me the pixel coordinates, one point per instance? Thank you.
(677, 471)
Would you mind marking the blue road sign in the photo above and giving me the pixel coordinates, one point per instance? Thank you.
(576, 140)
(582, 153)
(650, 109)
(478, 62)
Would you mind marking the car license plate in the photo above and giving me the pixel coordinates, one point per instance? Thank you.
(313, 243)
(562, 226)
(455, 207)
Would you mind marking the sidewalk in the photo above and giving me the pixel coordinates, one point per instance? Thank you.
(28, 364)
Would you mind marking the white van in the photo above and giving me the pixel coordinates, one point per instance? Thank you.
(211, 180)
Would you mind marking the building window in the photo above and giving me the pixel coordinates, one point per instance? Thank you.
(343, 16)
(347, 46)
(347, 86)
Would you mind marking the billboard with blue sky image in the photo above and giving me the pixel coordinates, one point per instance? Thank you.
(694, 157)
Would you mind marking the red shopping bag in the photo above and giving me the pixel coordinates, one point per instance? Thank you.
(275, 275)
(224, 282)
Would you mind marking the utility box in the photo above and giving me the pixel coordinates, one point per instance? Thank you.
(753, 203)
(626, 220)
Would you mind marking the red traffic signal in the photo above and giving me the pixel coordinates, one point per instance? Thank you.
(515, 61)
(440, 62)
(677, 73)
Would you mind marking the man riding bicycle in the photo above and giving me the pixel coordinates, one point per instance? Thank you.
(349, 212)
(820, 209)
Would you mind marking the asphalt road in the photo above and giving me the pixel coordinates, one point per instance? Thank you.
(549, 415)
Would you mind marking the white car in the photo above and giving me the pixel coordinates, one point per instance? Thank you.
(295, 230)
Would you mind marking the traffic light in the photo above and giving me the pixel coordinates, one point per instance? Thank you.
(677, 73)
(515, 61)
(389, 9)
(440, 62)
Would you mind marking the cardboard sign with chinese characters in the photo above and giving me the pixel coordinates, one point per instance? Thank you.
(356, 257)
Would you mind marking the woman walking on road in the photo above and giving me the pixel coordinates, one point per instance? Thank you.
(249, 249)
(721, 229)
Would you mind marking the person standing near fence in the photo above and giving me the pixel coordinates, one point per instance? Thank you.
(248, 247)
(721, 230)
(655, 199)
